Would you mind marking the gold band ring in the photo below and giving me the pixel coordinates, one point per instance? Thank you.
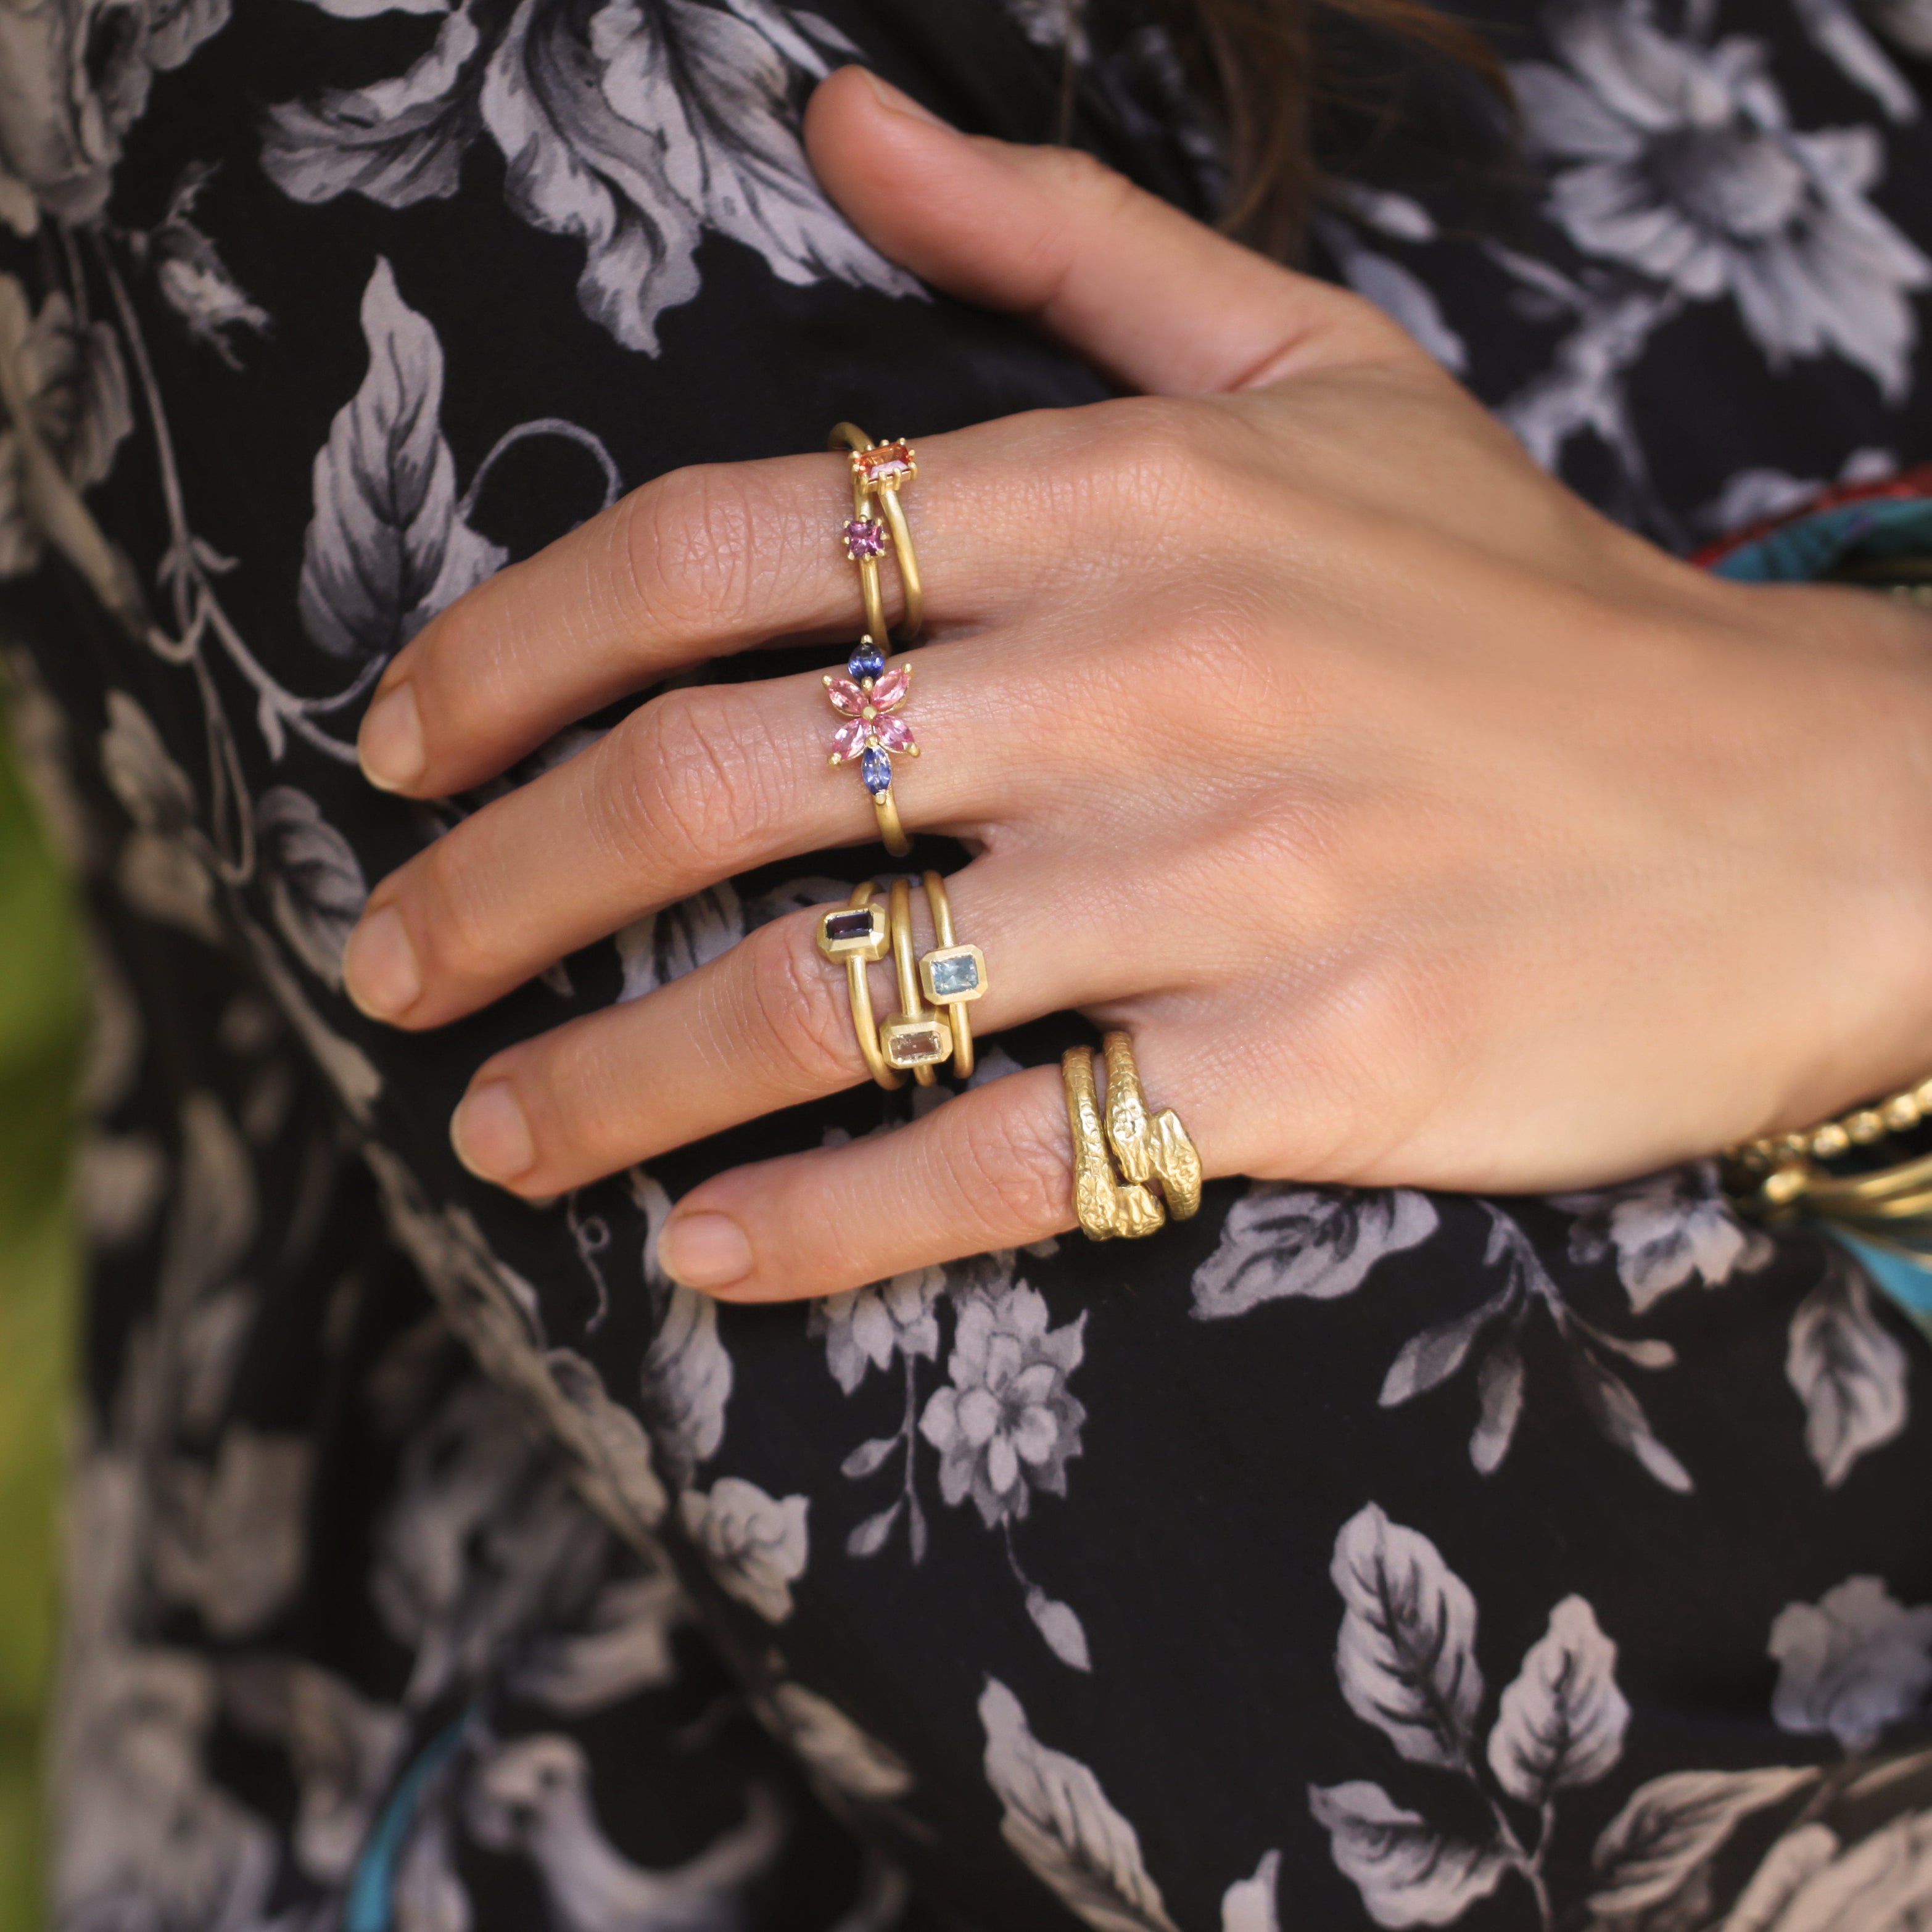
(854, 935)
(914, 1039)
(879, 471)
(951, 976)
(1104, 1206)
(866, 699)
(1158, 1149)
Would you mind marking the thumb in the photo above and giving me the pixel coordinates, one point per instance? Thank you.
(1163, 304)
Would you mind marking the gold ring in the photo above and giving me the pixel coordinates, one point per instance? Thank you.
(866, 698)
(854, 935)
(1157, 1149)
(879, 471)
(914, 1039)
(951, 976)
(1104, 1207)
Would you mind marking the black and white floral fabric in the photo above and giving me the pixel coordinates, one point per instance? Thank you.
(1342, 1559)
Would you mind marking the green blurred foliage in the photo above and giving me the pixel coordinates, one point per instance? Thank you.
(41, 1002)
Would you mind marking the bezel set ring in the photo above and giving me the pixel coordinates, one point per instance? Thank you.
(936, 988)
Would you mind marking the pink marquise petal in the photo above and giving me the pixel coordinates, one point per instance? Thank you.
(890, 688)
(846, 696)
(895, 733)
(849, 740)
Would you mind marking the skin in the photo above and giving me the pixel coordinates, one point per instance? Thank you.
(1423, 826)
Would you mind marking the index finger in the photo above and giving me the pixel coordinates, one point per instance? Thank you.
(697, 563)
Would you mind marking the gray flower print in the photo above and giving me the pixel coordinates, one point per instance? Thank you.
(1852, 1663)
(634, 126)
(1679, 161)
(1008, 1423)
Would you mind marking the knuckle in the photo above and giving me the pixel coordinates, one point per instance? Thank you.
(1072, 172)
(684, 782)
(1160, 459)
(1015, 1171)
(454, 928)
(685, 541)
(459, 670)
(799, 1008)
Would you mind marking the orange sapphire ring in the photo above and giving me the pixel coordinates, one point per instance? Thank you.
(879, 470)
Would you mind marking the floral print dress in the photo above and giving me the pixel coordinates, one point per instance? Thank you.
(1341, 1559)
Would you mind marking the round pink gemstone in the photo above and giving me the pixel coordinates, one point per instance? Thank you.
(895, 733)
(849, 740)
(890, 689)
(846, 696)
(864, 537)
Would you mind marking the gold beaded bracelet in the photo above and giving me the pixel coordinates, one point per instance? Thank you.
(1778, 1170)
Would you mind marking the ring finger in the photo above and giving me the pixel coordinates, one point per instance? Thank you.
(767, 1024)
(699, 784)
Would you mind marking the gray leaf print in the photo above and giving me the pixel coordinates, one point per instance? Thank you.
(161, 868)
(1665, 1231)
(1405, 1654)
(851, 1759)
(1881, 1884)
(756, 1545)
(387, 546)
(1248, 1905)
(64, 391)
(1408, 1872)
(532, 1796)
(687, 1373)
(367, 10)
(632, 126)
(1849, 1372)
(1066, 1636)
(1435, 1354)
(193, 278)
(1851, 1663)
(1614, 1408)
(687, 1382)
(1562, 1721)
(1280, 1239)
(1674, 1824)
(397, 141)
(625, 1647)
(315, 882)
(1058, 1819)
(664, 945)
(1790, 1865)
(230, 1538)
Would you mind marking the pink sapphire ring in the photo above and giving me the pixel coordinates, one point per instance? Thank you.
(866, 699)
(879, 470)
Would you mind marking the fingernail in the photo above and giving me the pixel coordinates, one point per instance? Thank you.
(490, 1134)
(380, 971)
(391, 742)
(703, 1250)
(894, 102)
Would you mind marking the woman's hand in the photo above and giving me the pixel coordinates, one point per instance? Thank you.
(1422, 826)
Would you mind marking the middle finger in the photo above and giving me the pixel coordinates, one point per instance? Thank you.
(702, 782)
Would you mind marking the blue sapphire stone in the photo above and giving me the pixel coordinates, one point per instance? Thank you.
(876, 769)
(865, 661)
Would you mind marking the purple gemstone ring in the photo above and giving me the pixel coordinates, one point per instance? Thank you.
(880, 471)
(866, 698)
